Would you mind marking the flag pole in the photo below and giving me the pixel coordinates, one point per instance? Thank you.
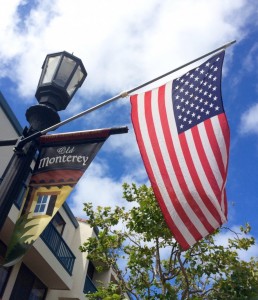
(22, 142)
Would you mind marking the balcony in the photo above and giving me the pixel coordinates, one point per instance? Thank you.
(58, 247)
(89, 286)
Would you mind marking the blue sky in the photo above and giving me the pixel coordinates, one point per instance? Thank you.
(123, 44)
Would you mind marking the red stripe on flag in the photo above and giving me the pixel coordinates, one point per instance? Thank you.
(226, 132)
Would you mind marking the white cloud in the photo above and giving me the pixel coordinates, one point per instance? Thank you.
(249, 120)
(122, 43)
(100, 188)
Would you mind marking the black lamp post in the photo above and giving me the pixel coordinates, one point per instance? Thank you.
(62, 74)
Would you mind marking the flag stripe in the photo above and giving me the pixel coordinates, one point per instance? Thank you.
(223, 136)
(210, 127)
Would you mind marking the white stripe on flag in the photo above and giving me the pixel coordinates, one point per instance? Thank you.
(221, 141)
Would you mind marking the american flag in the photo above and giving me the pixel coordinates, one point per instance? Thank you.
(183, 136)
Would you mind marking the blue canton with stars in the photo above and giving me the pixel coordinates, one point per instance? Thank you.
(197, 94)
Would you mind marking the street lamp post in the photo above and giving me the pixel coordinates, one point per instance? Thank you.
(62, 74)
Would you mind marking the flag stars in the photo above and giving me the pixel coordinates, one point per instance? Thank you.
(198, 95)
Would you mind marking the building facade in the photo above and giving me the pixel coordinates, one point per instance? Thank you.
(54, 268)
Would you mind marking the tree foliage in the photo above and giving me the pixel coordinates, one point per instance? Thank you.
(153, 266)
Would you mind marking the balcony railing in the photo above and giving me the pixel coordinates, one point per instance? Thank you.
(59, 248)
(89, 286)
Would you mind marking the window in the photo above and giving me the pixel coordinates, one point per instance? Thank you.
(18, 201)
(89, 286)
(27, 286)
(58, 223)
(91, 270)
(45, 204)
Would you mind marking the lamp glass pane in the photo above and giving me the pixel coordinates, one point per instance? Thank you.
(52, 63)
(64, 71)
(75, 82)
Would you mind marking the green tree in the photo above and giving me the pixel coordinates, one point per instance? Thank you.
(156, 267)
